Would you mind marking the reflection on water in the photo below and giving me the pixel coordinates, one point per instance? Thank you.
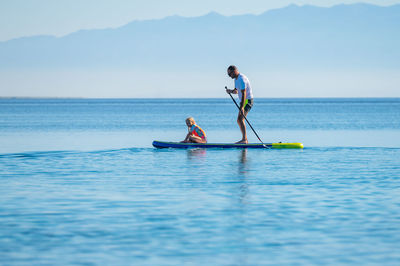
(242, 173)
(195, 154)
(242, 206)
(242, 162)
(240, 177)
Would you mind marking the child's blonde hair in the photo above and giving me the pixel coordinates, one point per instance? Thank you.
(191, 120)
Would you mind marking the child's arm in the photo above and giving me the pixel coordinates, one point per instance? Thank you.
(187, 136)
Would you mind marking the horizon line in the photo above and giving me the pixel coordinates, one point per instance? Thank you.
(178, 98)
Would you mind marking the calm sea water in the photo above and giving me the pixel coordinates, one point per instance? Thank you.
(81, 183)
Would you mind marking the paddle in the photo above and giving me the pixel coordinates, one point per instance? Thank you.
(246, 119)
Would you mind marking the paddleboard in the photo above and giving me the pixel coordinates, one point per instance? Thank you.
(179, 145)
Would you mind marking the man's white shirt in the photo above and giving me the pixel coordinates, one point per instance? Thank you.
(241, 83)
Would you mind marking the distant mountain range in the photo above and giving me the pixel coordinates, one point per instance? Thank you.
(354, 36)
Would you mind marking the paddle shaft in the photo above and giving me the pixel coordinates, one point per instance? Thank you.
(245, 118)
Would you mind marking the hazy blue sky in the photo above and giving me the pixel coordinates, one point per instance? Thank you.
(59, 17)
(20, 18)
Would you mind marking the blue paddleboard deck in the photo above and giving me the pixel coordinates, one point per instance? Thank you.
(179, 145)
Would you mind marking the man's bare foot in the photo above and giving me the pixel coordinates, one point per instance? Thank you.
(243, 141)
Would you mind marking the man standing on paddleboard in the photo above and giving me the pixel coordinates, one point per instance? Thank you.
(243, 89)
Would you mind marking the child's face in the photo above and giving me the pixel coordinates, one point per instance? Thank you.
(188, 123)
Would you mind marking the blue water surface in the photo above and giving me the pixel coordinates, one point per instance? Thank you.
(81, 183)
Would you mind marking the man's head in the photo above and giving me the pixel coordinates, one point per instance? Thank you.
(233, 72)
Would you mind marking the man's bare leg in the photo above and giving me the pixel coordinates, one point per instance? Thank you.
(242, 126)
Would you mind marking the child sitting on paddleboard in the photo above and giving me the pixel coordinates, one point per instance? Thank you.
(195, 133)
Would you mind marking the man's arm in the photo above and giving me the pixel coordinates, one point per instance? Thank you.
(234, 91)
(243, 92)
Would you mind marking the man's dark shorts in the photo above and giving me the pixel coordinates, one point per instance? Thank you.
(248, 106)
